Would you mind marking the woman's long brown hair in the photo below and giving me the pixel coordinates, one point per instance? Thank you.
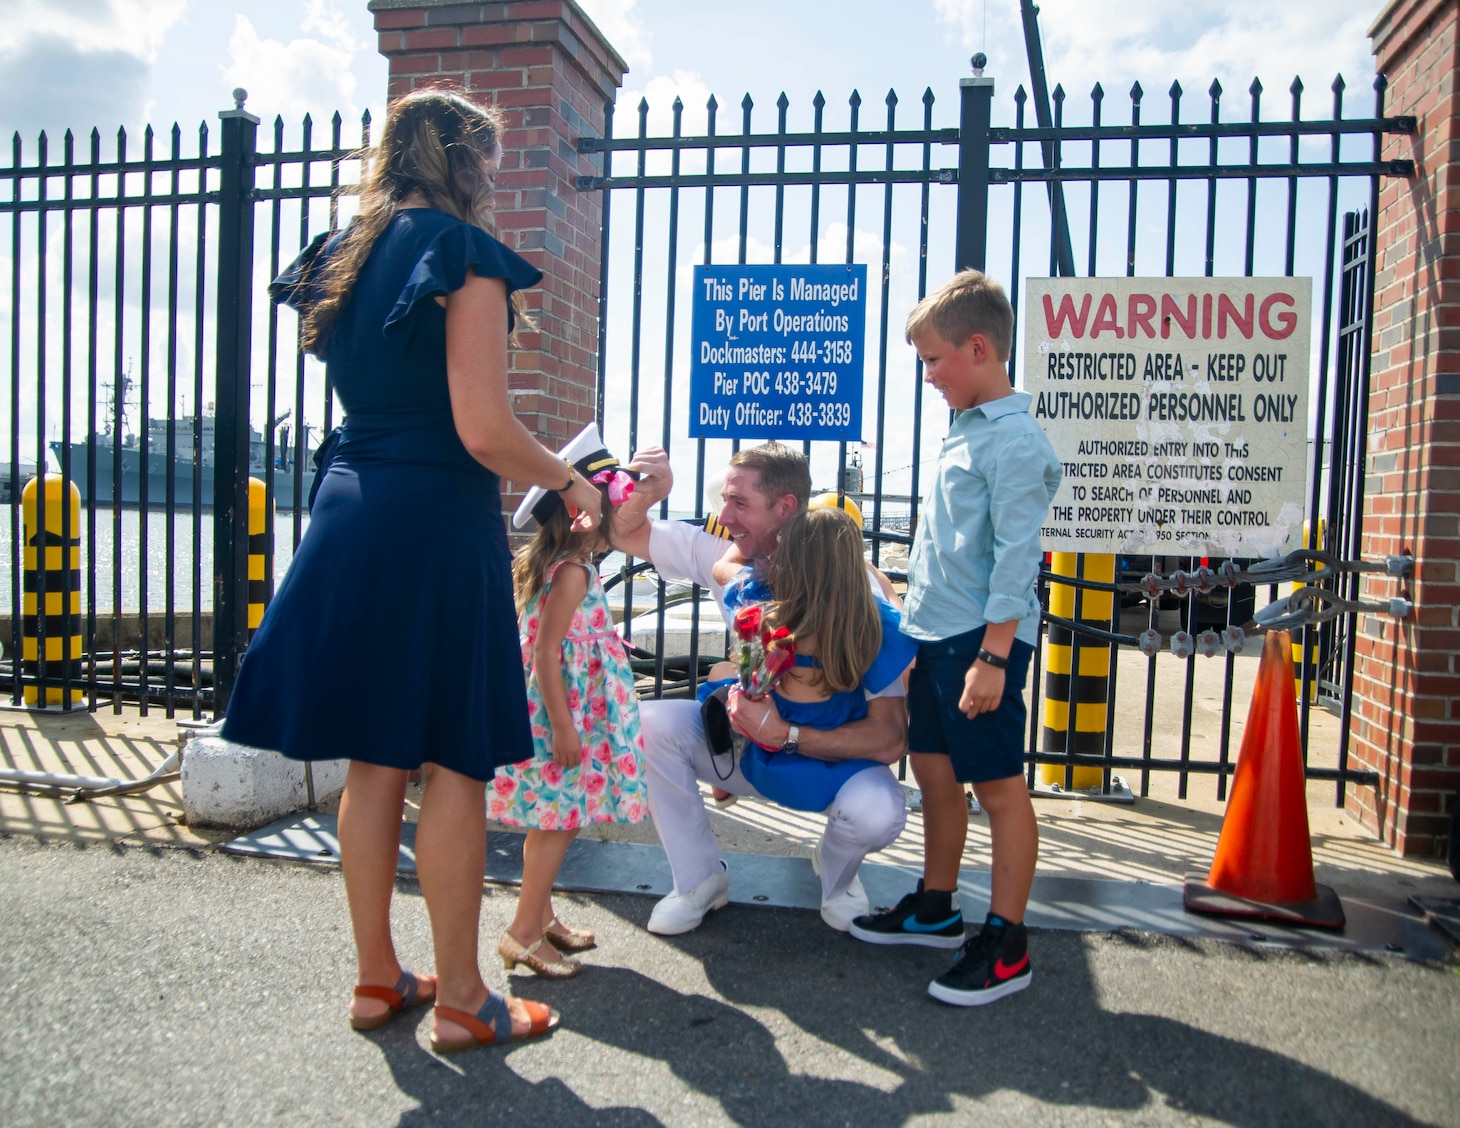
(822, 592)
(433, 142)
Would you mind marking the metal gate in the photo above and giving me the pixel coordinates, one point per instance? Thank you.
(1117, 199)
(133, 339)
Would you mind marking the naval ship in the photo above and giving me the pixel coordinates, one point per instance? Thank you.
(182, 433)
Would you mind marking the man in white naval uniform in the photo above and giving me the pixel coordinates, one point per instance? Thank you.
(763, 488)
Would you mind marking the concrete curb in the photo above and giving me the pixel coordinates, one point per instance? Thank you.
(235, 786)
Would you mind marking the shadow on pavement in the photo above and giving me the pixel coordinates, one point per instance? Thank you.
(1054, 1043)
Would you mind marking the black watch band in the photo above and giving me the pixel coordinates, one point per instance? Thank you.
(992, 659)
(571, 474)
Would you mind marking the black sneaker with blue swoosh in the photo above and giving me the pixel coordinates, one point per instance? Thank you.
(925, 919)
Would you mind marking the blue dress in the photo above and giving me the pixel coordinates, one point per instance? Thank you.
(805, 783)
(393, 636)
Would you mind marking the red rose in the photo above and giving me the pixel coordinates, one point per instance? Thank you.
(747, 621)
(779, 659)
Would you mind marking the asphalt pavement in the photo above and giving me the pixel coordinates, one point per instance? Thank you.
(157, 986)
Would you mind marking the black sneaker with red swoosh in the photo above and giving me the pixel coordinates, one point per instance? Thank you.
(991, 964)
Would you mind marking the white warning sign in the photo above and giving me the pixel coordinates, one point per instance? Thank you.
(1179, 407)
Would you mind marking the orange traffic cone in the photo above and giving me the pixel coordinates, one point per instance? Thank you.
(1264, 862)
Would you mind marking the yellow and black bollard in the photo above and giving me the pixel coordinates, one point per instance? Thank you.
(260, 533)
(59, 623)
(1088, 686)
(1313, 632)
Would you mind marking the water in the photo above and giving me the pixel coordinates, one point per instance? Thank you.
(99, 556)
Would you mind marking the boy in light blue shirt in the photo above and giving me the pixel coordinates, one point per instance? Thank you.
(971, 606)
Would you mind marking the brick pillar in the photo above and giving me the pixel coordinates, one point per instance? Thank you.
(1406, 718)
(552, 72)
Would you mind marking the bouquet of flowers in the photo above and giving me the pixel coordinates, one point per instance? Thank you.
(765, 655)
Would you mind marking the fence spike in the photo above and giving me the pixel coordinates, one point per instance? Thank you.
(1297, 86)
(1256, 88)
(855, 99)
(1136, 93)
(1338, 84)
(1020, 97)
(1215, 90)
(678, 105)
(1097, 93)
(891, 98)
(1175, 90)
(928, 98)
(782, 102)
(819, 101)
(747, 102)
(712, 105)
(336, 120)
(643, 106)
(1059, 92)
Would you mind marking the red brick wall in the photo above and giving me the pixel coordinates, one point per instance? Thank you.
(552, 72)
(1406, 719)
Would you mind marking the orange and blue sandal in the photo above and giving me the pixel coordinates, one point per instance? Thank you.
(492, 1024)
(407, 993)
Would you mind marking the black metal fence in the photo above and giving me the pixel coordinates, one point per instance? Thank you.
(133, 343)
(1154, 198)
(139, 272)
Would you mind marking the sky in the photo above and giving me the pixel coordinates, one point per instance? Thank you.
(79, 63)
(108, 63)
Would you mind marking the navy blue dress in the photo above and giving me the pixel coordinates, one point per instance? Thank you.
(393, 637)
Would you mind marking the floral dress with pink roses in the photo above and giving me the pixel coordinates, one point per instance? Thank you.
(609, 785)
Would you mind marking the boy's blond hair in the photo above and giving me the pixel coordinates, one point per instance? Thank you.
(970, 302)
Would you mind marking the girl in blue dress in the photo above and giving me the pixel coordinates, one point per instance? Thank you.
(392, 640)
(818, 586)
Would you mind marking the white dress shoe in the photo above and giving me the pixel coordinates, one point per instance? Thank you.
(682, 912)
(846, 906)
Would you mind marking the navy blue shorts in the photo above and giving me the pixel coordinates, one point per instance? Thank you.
(987, 747)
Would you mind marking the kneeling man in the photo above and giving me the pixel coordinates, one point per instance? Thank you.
(764, 486)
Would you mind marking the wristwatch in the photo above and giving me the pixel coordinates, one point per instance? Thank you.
(992, 659)
(793, 739)
(571, 475)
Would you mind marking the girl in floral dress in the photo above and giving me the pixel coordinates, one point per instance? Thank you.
(584, 715)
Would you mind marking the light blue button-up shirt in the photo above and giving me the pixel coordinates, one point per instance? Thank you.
(976, 553)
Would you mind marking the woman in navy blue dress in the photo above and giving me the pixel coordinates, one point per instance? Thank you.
(392, 641)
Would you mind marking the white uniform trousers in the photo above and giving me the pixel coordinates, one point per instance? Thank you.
(867, 813)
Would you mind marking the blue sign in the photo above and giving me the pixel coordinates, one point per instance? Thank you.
(777, 352)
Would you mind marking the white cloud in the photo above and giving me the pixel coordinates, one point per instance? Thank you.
(622, 27)
(660, 92)
(1115, 42)
(331, 22)
(133, 27)
(74, 63)
(304, 75)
